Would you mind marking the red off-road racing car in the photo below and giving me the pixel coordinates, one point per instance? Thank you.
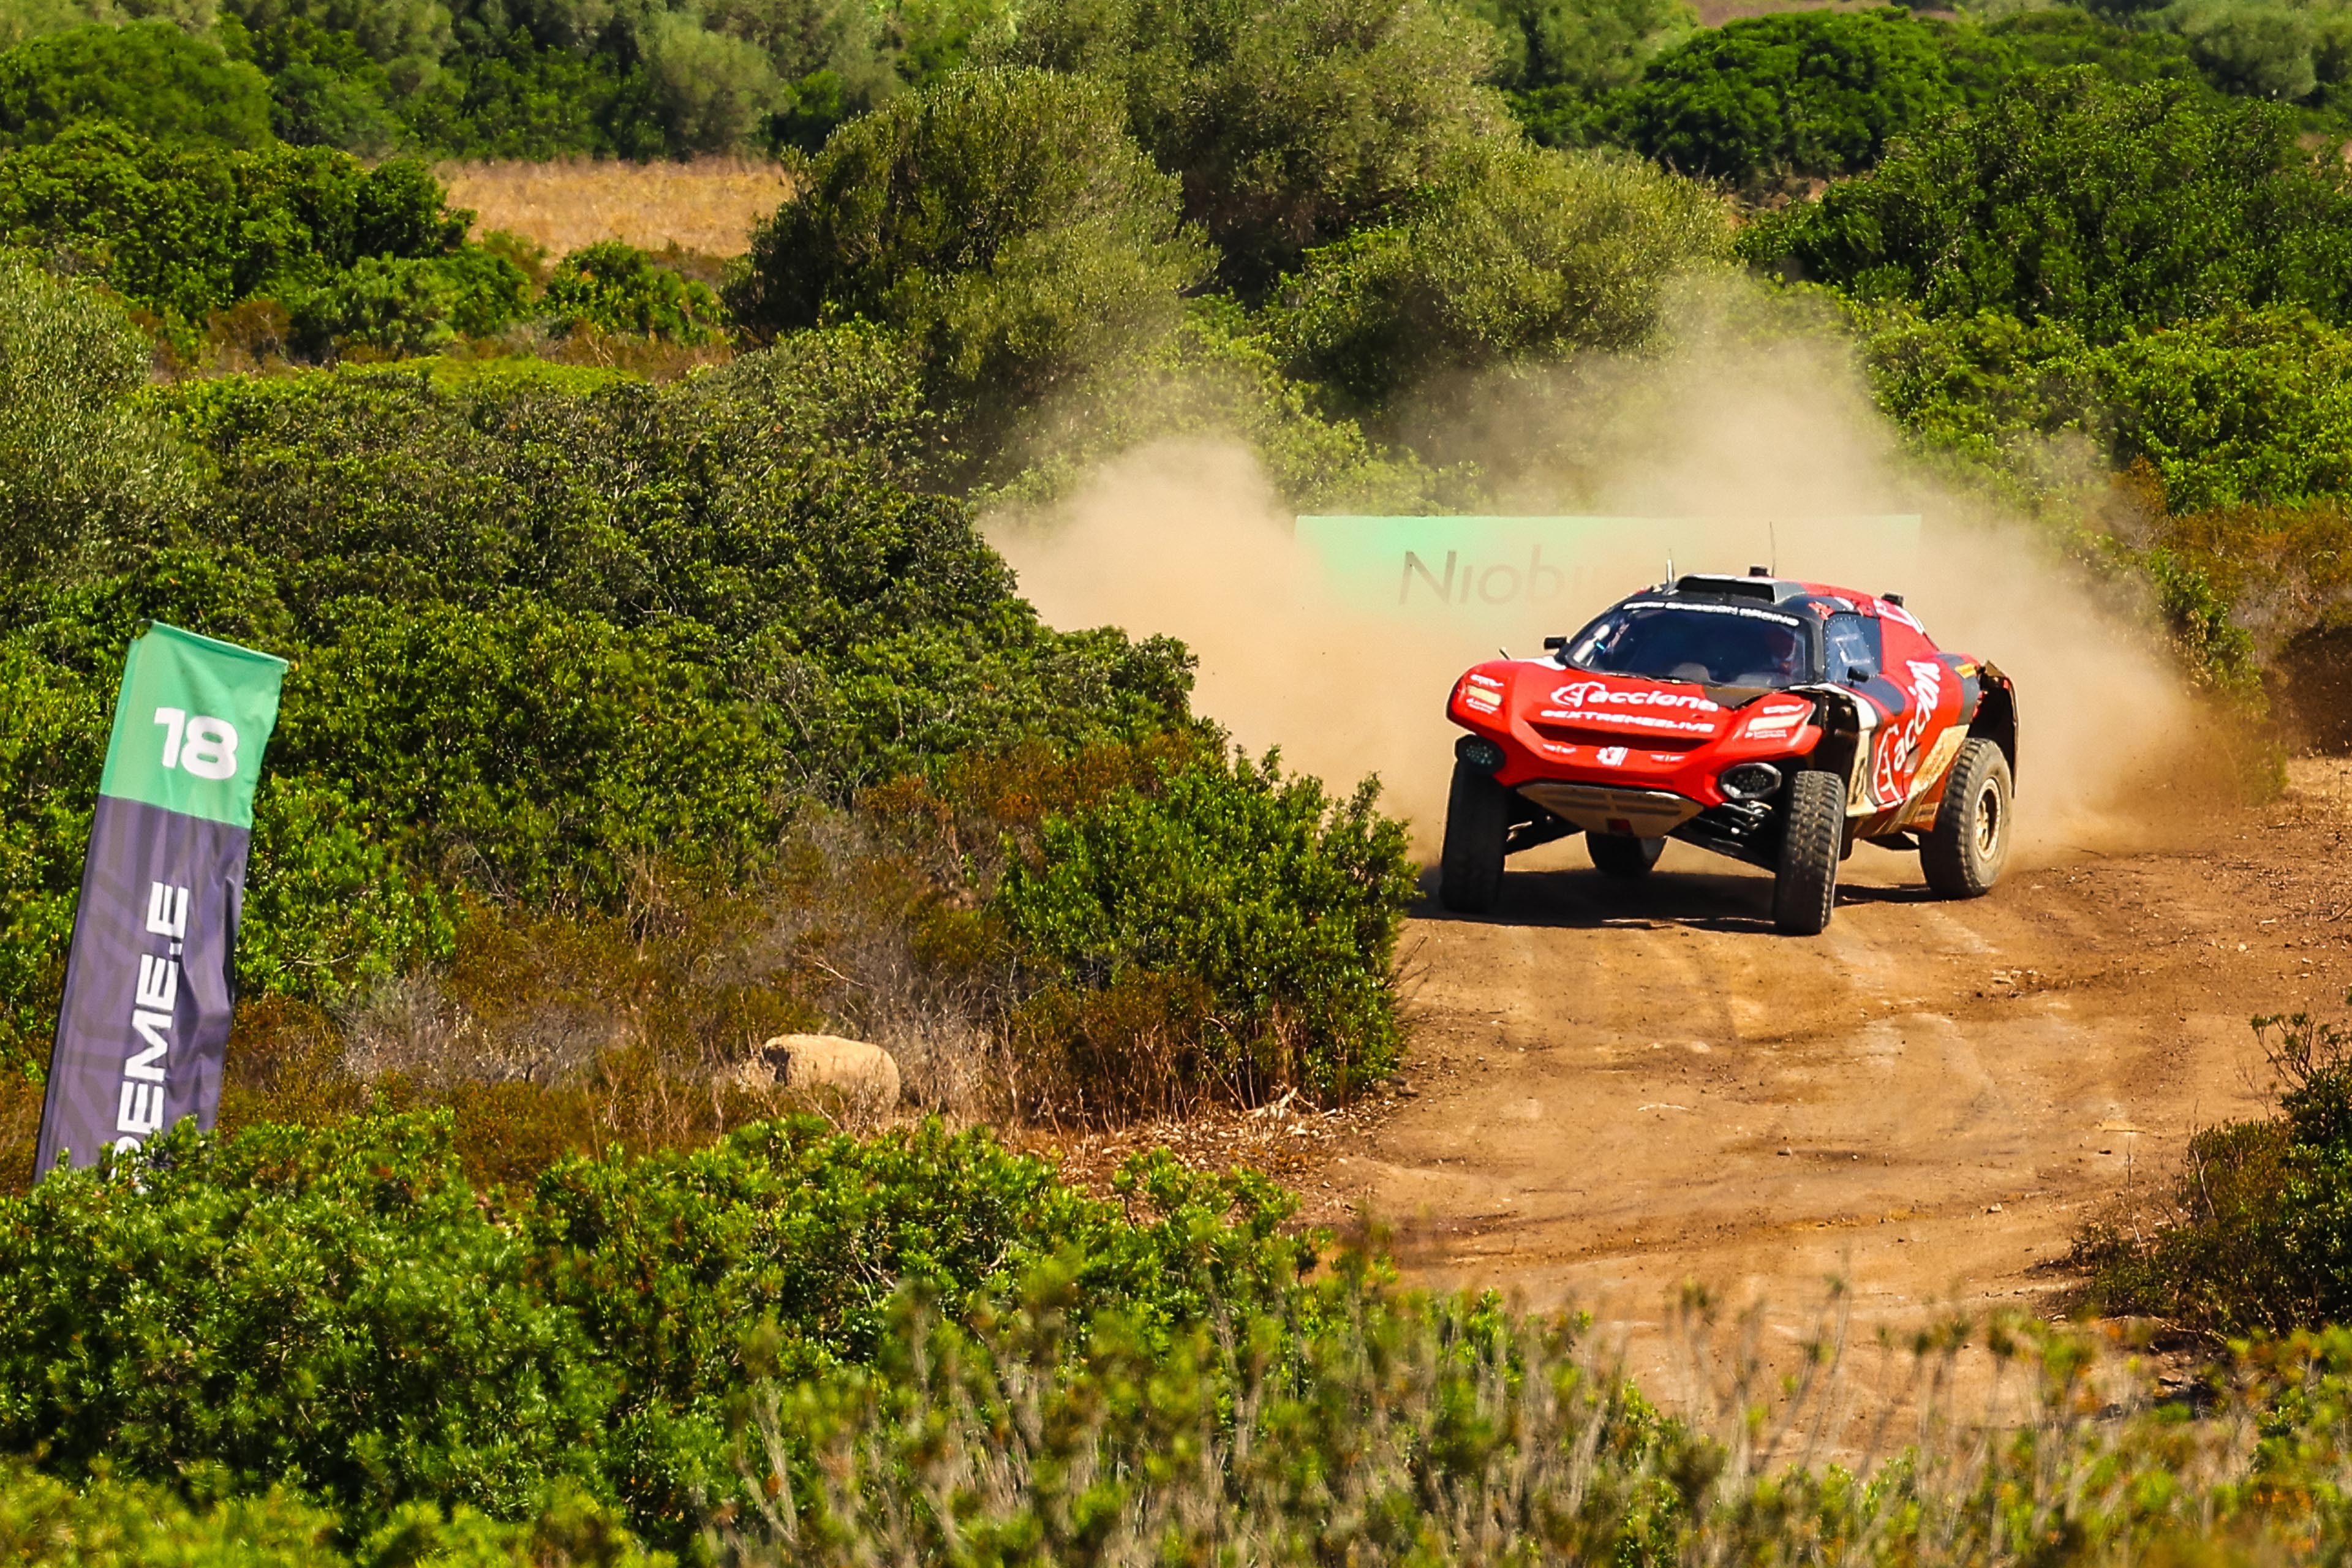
(1776, 722)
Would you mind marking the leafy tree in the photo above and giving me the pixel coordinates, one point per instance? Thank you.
(1808, 93)
(78, 465)
(407, 38)
(1546, 253)
(149, 77)
(1288, 122)
(710, 90)
(325, 90)
(2257, 51)
(1001, 218)
(1585, 47)
(2112, 207)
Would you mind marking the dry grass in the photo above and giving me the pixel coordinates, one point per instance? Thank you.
(708, 206)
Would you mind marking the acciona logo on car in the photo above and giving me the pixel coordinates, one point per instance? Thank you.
(1593, 694)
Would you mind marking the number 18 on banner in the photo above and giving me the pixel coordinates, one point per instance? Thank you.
(149, 981)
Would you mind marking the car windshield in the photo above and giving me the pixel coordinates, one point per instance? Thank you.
(1712, 645)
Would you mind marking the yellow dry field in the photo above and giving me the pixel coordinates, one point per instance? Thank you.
(707, 206)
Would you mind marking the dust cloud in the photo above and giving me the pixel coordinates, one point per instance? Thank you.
(1729, 448)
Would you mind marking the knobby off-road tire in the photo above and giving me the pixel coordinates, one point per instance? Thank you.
(1477, 817)
(1964, 852)
(1614, 855)
(1804, 887)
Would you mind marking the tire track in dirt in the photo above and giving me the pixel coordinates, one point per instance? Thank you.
(1615, 1087)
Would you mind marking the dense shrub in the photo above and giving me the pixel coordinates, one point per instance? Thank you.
(186, 231)
(1287, 122)
(325, 88)
(50, 751)
(112, 1523)
(328, 1312)
(148, 77)
(1813, 93)
(552, 629)
(2110, 207)
(1544, 254)
(616, 288)
(334, 1309)
(2243, 406)
(1576, 46)
(78, 464)
(1219, 926)
(2257, 1236)
(1001, 218)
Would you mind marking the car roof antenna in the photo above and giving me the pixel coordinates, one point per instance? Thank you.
(1773, 533)
(1670, 568)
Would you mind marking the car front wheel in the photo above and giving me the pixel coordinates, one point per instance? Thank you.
(1477, 818)
(1964, 852)
(1804, 885)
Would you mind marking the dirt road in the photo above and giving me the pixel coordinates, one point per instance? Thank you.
(1617, 1087)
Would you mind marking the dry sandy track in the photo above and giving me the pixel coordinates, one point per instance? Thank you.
(1615, 1089)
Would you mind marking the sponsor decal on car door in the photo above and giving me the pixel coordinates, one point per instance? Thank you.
(1931, 700)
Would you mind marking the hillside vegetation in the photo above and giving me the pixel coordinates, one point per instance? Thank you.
(652, 691)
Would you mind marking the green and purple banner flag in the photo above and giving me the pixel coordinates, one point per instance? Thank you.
(150, 980)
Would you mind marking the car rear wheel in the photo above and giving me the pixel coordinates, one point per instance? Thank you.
(1964, 852)
(1616, 856)
(1477, 816)
(1804, 887)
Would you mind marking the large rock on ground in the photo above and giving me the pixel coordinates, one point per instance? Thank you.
(860, 1073)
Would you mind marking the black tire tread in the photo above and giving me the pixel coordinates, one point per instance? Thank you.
(1470, 866)
(1947, 851)
(1804, 887)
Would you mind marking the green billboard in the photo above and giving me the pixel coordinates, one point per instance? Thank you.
(1573, 565)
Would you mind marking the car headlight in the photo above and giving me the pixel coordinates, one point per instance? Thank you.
(1749, 781)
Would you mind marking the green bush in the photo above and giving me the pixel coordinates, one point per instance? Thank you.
(131, 1524)
(328, 1311)
(2240, 407)
(1001, 219)
(2109, 207)
(1581, 47)
(334, 1309)
(1811, 93)
(616, 288)
(148, 77)
(325, 90)
(401, 307)
(182, 232)
(533, 752)
(2257, 1234)
(331, 908)
(1287, 122)
(1544, 254)
(1220, 926)
(550, 627)
(78, 465)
